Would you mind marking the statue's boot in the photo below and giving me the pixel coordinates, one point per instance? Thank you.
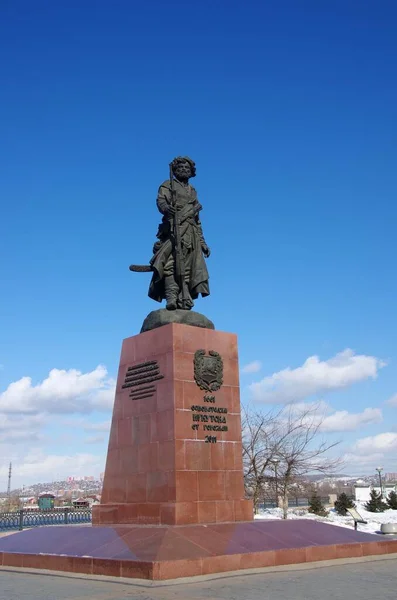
(171, 292)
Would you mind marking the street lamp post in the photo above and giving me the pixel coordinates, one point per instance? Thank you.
(380, 469)
(275, 463)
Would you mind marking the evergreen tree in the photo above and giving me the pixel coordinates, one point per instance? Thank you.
(316, 506)
(375, 503)
(342, 503)
(392, 500)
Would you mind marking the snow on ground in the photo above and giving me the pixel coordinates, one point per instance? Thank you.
(374, 520)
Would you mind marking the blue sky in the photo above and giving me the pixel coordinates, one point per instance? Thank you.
(289, 110)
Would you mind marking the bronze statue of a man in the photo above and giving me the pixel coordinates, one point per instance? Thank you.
(179, 270)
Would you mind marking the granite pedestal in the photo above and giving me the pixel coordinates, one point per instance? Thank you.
(175, 454)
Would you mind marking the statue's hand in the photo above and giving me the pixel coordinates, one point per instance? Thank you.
(170, 211)
(206, 250)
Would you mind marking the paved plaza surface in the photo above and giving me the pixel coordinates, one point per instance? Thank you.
(355, 580)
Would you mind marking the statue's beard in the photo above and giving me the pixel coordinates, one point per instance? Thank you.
(182, 176)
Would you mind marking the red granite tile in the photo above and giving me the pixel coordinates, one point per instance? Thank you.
(171, 484)
(149, 513)
(177, 400)
(128, 351)
(155, 342)
(129, 463)
(183, 425)
(223, 342)
(193, 339)
(157, 486)
(165, 395)
(206, 512)
(104, 514)
(82, 565)
(373, 548)
(136, 569)
(228, 455)
(234, 485)
(290, 556)
(183, 366)
(37, 561)
(217, 456)
(221, 564)
(235, 406)
(106, 566)
(168, 514)
(166, 456)
(127, 513)
(169, 367)
(223, 397)
(317, 553)
(198, 455)
(191, 394)
(258, 560)
(391, 546)
(186, 513)
(238, 456)
(130, 407)
(148, 457)
(211, 485)
(113, 435)
(173, 569)
(124, 432)
(113, 464)
(62, 563)
(224, 511)
(186, 486)
(11, 559)
(177, 330)
(164, 426)
(348, 550)
(180, 455)
(230, 372)
(147, 405)
(115, 488)
(136, 488)
(141, 429)
(243, 510)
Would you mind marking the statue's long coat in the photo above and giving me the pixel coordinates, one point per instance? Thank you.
(196, 273)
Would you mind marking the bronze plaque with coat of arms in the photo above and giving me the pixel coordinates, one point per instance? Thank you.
(208, 370)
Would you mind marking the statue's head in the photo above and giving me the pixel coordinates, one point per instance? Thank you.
(183, 168)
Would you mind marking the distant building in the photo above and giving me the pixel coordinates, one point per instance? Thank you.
(362, 492)
(46, 501)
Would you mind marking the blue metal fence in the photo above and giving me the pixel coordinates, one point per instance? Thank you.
(22, 519)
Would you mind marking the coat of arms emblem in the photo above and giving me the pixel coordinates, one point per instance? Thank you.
(208, 370)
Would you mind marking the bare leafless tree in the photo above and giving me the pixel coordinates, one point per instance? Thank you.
(281, 447)
(302, 450)
(259, 435)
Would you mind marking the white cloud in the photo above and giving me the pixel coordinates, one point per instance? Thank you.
(40, 467)
(104, 426)
(15, 429)
(322, 413)
(252, 367)
(342, 420)
(315, 377)
(95, 439)
(369, 462)
(392, 401)
(383, 442)
(61, 392)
